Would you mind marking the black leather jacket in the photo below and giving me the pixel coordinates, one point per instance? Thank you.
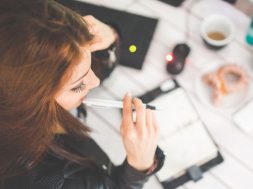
(53, 172)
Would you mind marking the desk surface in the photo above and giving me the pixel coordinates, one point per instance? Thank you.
(235, 145)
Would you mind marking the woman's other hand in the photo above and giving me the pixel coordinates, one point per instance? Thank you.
(140, 138)
(104, 34)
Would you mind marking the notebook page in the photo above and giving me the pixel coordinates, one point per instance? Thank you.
(183, 136)
(176, 110)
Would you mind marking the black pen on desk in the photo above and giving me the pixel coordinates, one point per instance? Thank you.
(113, 104)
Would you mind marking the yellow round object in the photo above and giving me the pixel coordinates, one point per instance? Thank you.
(132, 48)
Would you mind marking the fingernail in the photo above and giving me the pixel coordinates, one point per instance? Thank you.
(128, 94)
(135, 98)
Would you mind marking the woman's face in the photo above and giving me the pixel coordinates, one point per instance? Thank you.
(78, 85)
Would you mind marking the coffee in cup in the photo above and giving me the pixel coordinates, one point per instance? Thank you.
(217, 31)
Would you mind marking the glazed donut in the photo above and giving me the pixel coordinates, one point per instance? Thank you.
(214, 82)
(227, 79)
(239, 80)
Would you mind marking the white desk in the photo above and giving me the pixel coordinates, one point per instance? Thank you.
(236, 146)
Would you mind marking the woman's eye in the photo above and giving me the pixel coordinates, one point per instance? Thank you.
(78, 89)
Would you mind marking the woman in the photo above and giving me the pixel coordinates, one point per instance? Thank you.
(45, 70)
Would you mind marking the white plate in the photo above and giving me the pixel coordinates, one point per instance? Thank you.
(204, 92)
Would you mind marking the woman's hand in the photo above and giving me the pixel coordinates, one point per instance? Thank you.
(140, 138)
(104, 34)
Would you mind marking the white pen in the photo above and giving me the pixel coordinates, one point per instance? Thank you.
(112, 103)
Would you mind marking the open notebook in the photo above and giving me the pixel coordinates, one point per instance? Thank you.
(188, 146)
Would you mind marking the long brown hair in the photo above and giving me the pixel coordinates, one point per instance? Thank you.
(40, 41)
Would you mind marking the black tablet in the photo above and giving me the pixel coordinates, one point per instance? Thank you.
(136, 31)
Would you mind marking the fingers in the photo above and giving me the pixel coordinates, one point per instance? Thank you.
(140, 114)
(89, 19)
(92, 26)
(146, 123)
(149, 121)
(103, 34)
(152, 124)
(155, 124)
(95, 45)
(93, 23)
(127, 110)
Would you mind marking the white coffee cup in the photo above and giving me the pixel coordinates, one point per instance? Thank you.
(217, 30)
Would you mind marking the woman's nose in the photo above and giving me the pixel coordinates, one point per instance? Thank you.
(94, 80)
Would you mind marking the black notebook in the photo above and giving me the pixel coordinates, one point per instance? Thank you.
(134, 29)
(189, 148)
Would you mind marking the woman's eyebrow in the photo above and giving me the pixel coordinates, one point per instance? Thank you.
(81, 77)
